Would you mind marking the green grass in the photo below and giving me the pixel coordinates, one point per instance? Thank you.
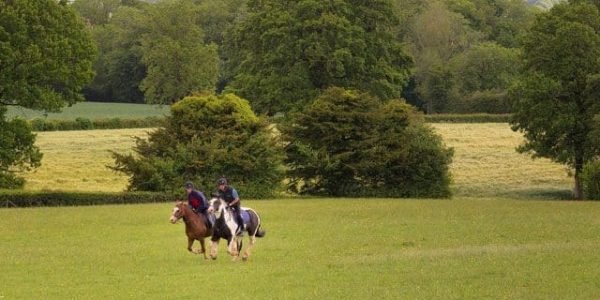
(501, 236)
(314, 249)
(94, 110)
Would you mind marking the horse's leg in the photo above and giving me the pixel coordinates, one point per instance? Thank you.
(234, 248)
(190, 242)
(213, 249)
(249, 249)
(203, 248)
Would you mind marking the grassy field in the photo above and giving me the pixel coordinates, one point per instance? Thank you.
(501, 237)
(77, 160)
(314, 249)
(94, 110)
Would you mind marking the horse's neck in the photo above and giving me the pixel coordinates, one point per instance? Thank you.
(190, 216)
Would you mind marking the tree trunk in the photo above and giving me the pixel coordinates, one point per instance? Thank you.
(578, 193)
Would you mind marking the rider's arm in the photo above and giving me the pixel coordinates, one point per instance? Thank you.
(236, 197)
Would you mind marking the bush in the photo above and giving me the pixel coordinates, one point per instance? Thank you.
(28, 199)
(205, 137)
(467, 118)
(488, 101)
(348, 143)
(590, 179)
(39, 124)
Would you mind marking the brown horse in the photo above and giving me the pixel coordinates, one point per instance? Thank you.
(195, 225)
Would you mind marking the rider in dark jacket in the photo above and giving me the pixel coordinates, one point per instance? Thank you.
(197, 201)
(231, 197)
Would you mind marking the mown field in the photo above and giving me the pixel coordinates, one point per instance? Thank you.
(503, 235)
(485, 162)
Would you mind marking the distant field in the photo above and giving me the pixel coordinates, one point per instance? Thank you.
(314, 249)
(485, 162)
(95, 110)
(77, 160)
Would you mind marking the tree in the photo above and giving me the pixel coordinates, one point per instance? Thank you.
(45, 59)
(205, 137)
(283, 53)
(96, 12)
(555, 102)
(483, 74)
(438, 35)
(153, 53)
(46, 54)
(501, 21)
(349, 143)
(177, 60)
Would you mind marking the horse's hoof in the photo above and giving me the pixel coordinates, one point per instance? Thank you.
(213, 257)
(244, 258)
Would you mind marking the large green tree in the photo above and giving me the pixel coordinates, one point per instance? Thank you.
(207, 136)
(348, 143)
(556, 100)
(283, 53)
(45, 59)
(177, 59)
(154, 53)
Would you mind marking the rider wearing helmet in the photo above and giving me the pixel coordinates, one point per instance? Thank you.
(197, 201)
(231, 197)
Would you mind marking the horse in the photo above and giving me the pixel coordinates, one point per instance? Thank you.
(227, 228)
(195, 225)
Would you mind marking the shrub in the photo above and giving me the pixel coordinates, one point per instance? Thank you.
(590, 179)
(467, 118)
(39, 124)
(28, 199)
(348, 143)
(205, 137)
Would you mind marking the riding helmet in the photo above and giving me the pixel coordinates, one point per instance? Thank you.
(189, 185)
(222, 180)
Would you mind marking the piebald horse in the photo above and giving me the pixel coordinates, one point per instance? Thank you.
(195, 226)
(227, 228)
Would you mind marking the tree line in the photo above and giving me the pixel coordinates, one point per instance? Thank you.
(336, 71)
(439, 55)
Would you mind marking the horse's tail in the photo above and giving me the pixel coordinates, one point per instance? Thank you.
(259, 232)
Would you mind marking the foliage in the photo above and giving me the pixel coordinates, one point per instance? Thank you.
(500, 21)
(39, 124)
(119, 69)
(177, 60)
(45, 58)
(205, 137)
(44, 198)
(348, 143)
(590, 180)
(17, 151)
(283, 53)
(467, 118)
(154, 53)
(438, 35)
(45, 54)
(555, 101)
(96, 12)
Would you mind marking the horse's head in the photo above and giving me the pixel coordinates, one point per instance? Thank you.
(216, 206)
(178, 211)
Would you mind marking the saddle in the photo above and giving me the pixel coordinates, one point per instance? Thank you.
(245, 217)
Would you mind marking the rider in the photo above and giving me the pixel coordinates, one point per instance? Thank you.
(197, 201)
(231, 197)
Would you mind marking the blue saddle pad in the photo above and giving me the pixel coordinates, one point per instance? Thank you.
(245, 216)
